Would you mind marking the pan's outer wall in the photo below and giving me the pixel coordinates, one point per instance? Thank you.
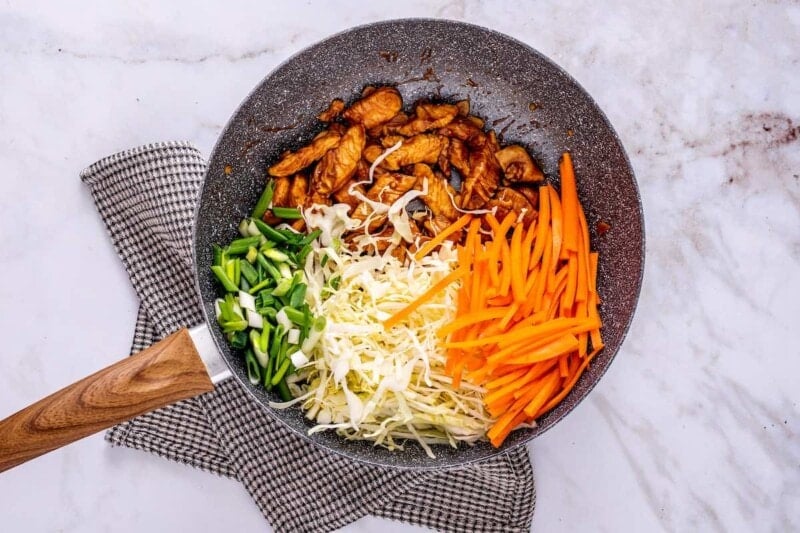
(521, 94)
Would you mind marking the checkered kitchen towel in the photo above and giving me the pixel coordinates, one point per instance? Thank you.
(146, 197)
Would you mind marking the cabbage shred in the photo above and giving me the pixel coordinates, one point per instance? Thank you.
(367, 383)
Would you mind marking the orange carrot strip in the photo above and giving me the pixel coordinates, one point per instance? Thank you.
(505, 277)
(569, 204)
(442, 235)
(468, 319)
(501, 301)
(504, 426)
(527, 243)
(517, 279)
(593, 260)
(567, 343)
(508, 316)
(563, 366)
(549, 386)
(505, 378)
(427, 295)
(572, 283)
(557, 224)
(492, 221)
(541, 281)
(542, 227)
(528, 333)
(567, 386)
(583, 259)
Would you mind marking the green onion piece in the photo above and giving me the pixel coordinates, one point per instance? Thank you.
(283, 391)
(238, 339)
(269, 312)
(324, 260)
(269, 232)
(249, 273)
(284, 285)
(308, 239)
(298, 295)
(237, 272)
(276, 255)
(298, 317)
(264, 339)
(265, 299)
(241, 246)
(243, 228)
(263, 202)
(269, 267)
(244, 284)
(260, 285)
(334, 282)
(223, 278)
(252, 254)
(307, 323)
(281, 372)
(319, 323)
(219, 255)
(235, 325)
(287, 212)
(285, 271)
(253, 368)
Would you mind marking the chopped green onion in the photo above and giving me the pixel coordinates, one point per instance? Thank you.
(308, 239)
(223, 278)
(276, 255)
(281, 371)
(264, 201)
(260, 285)
(219, 255)
(252, 254)
(283, 391)
(244, 284)
(287, 212)
(283, 287)
(253, 368)
(235, 325)
(238, 339)
(285, 271)
(269, 267)
(237, 271)
(249, 273)
(324, 260)
(298, 317)
(269, 232)
(298, 295)
(241, 246)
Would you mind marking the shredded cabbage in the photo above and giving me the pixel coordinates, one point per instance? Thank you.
(369, 383)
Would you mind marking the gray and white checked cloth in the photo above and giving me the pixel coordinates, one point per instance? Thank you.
(146, 197)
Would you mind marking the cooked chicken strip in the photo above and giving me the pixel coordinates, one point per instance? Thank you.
(339, 164)
(508, 200)
(437, 199)
(422, 148)
(334, 110)
(386, 190)
(518, 166)
(483, 178)
(377, 107)
(294, 162)
(428, 117)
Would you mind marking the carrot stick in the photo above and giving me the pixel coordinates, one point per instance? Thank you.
(471, 318)
(567, 343)
(505, 378)
(544, 271)
(557, 224)
(442, 235)
(568, 386)
(542, 227)
(563, 366)
(526, 248)
(517, 279)
(569, 204)
(547, 389)
(505, 277)
(572, 283)
(427, 295)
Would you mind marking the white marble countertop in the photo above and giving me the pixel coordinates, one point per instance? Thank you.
(695, 426)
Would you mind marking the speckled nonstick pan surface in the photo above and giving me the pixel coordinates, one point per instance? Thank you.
(519, 92)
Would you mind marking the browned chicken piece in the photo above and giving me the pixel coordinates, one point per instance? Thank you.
(390, 140)
(362, 173)
(422, 148)
(477, 122)
(372, 152)
(319, 199)
(334, 110)
(428, 117)
(458, 156)
(339, 164)
(388, 127)
(377, 107)
(298, 192)
(531, 194)
(298, 225)
(491, 138)
(508, 200)
(517, 165)
(483, 178)
(386, 190)
(438, 223)
(437, 199)
(343, 196)
(463, 129)
(463, 107)
(294, 162)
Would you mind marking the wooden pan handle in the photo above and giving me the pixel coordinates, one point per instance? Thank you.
(164, 373)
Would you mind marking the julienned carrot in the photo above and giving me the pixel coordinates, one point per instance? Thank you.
(427, 295)
(442, 235)
(528, 315)
(569, 205)
(518, 278)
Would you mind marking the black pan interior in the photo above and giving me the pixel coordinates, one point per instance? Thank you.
(519, 92)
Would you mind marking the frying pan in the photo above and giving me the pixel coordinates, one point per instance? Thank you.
(522, 95)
